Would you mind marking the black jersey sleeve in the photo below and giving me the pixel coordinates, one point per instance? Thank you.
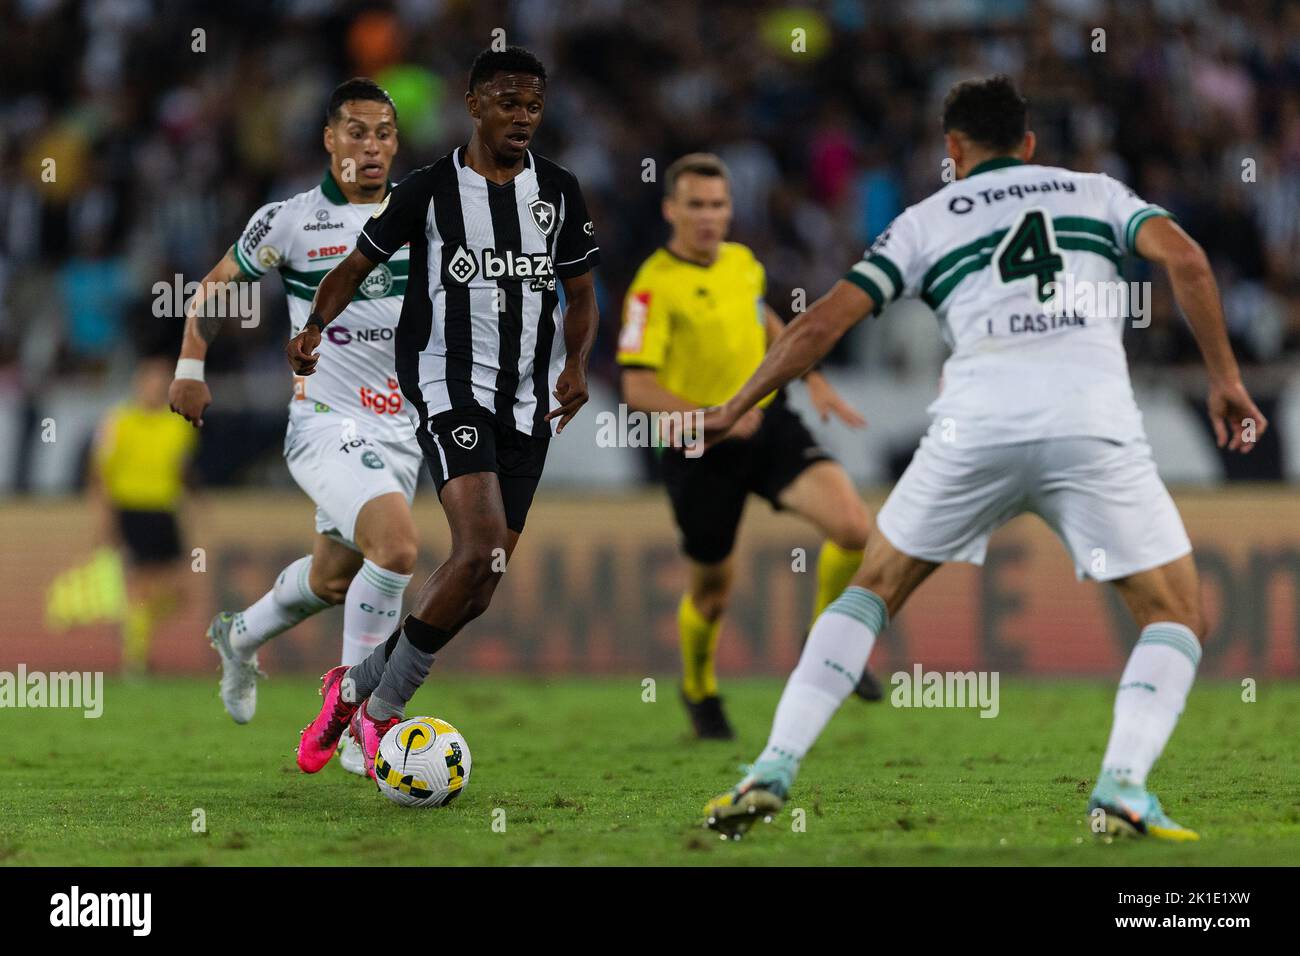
(399, 218)
(575, 248)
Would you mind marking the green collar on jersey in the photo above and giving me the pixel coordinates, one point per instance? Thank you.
(1001, 162)
(334, 194)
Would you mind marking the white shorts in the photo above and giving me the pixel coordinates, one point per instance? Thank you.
(341, 472)
(1104, 500)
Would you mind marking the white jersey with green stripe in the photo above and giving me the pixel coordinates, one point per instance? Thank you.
(303, 238)
(1021, 265)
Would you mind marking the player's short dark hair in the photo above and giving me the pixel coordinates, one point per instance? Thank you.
(513, 59)
(698, 164)
(990, 111)
(357, 88)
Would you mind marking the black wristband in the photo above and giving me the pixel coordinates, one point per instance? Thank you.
(314, 322)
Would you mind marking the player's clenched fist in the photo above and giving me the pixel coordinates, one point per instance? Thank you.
(302, 351)
(189, 398)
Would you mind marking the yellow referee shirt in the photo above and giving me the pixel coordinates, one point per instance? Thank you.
(141, 454)
(702, 328)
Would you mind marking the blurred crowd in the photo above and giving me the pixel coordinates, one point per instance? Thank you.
(137, 136)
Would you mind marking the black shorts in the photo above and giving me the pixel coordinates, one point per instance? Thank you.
(708, 493)
(150, 537)
(468, 440)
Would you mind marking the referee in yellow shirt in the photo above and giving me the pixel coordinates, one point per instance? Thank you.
(141, 455)
(695, 326)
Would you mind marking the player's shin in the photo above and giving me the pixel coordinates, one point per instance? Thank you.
(373, 603)
(1152, 692)
(832, 660)
(289, 602)
(364, 677)
(699, 640)
(407, 667)
(137, 636)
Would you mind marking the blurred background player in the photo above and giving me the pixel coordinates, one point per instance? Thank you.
(350, 443)
(695, 326)
(141, 455)
(1036, 416)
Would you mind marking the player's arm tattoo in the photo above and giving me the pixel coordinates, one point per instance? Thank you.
(206, 326)
(204, 318)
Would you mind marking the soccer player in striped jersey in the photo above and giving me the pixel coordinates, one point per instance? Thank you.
(484, 356)
(350, 443)
(1036, 414)
(695, 326)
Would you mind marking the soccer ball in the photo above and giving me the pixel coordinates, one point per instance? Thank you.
(422, 762)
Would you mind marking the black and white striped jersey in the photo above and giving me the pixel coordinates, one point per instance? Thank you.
(480, 323)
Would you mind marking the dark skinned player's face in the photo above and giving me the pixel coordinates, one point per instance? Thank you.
(507, 109)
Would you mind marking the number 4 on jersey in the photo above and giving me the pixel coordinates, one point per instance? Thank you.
(1028, 251)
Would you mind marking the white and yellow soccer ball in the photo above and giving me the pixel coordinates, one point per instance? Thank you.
(422, 762)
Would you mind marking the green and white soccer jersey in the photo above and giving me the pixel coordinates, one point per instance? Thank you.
(1021, 265)
(1036, 411)
(350, 438)
(303, 238)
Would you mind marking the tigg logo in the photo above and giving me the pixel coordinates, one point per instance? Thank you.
(103, 909)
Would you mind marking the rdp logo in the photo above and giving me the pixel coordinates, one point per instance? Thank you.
(327, 251)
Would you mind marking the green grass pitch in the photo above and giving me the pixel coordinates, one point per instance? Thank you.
(588, 773)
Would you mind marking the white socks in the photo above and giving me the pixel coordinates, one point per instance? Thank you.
(371, 610)
(279, 609)
(828, 670)
(1152, 692)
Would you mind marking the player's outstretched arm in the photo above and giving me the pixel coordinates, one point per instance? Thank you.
(332, 297)
(643, 392)
(188, 394)
(1237, 421)
(804, 342)
(821, 393)
(580, 320)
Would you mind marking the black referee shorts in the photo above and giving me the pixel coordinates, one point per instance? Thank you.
(708, 493)
(463, 441)
(149, 537)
